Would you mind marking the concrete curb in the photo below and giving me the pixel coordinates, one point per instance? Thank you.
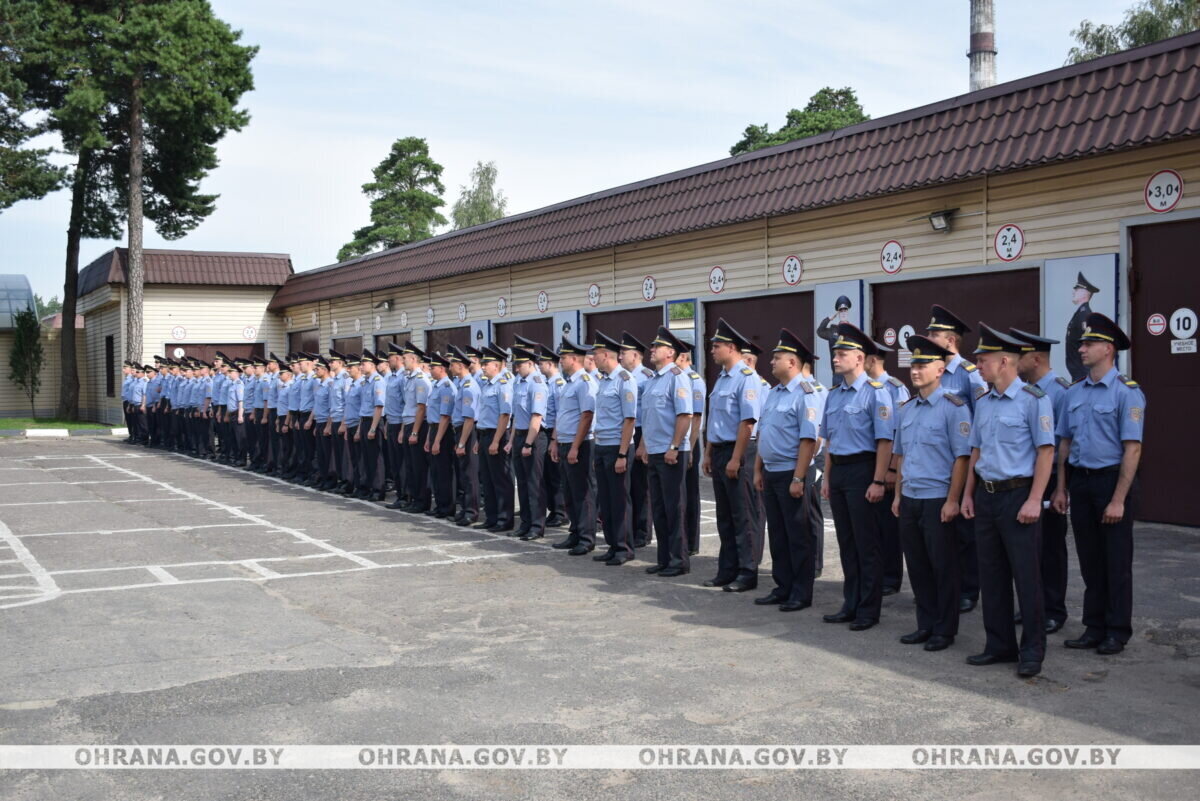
(58, 433)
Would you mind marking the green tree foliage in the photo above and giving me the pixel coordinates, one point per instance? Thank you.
(25, 172)
(405, 197)
(827, 110)
(1145, 22)
(481, 201)
(46, 307)
(26, 357)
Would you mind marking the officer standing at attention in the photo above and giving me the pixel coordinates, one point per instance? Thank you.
(572, 448)
(632, 351)
(858, 424)
(466, 452)
(556, 509)
(616, 413)
(393, 410)
(302, 395)
(1012, 454)
(816, 473)
(441, 436)
(787, 432)
(283, 400)
(320, 421)
(527, 444)
(665, 448)
(339, 459)
(947, 331)
(1101, 432)
(729, 457)
(889, 528)
(492, 422)
(353, 402)
(691, 483)
(370, 410)
(1034, 368)
(417, 387)
(931, 450)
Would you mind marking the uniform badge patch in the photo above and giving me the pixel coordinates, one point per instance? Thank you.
(810, 413)
(1045, 421)
(751, 394)
(466, 400)
(628, 397)
(964, 428)
(681, 392)
(884, 412)
(1135, 414)
(537, 396)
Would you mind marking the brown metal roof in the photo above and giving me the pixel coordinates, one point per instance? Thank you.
(189, 267)
(1139, 97)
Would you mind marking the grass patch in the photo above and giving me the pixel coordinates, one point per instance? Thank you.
(44, 422)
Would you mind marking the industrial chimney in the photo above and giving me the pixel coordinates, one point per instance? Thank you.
(983, 44)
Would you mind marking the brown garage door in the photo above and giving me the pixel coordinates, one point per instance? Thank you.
(539, 330)
(759, 320)
(307, 341)
(642, 322)
(1165, 280)
(206, 352)
(436, 339)
(348, 345)
(383, 340)
(1001, 299)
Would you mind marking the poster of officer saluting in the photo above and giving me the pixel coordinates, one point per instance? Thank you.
(1071, 290)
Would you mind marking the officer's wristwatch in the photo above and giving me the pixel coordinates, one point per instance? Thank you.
(622, 456)
(797, 480)
(673, 448)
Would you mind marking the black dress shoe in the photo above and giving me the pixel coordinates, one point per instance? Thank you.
(965, 605)
(718, 582)
(484, 525)
(693, 553)
(640, 543)
(579, 550)
(655, 569)
(741, 586)
(672, 572)
(840, 617)
(890, 590)
(498, 529)
(984, 659)
(862, 625)
(1084, 642)
(939, 642)
(604, 557)
(556, 522)
(1053, 625)
(1110, 646)
(769, 599)
(521, 532)
(1028, 669)
(563, 545)
(617, 561)
(466, 521)
(375, 496)
(917, 637)
(537, 535)
(794, 606)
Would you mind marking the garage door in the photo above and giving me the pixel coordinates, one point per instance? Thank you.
(307, 341)
(540, 329)
(759, 320)
(642, 322)
(436, 339)
(1001, 299)
(1165, 281)
(348, 345)
(399, 337)
(206, 351)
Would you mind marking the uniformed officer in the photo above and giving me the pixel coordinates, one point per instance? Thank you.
(613, 456)
(946, 330)
(1034, 368)
(858, 425)
(235, 410)
(691, 483)
(788, 431)
(338, 365)
(251, 403)
(1012, 453)
(270, 408)
(466, 450)
(572, 448)
(320, 421)
(302, 393)
(134, 385)
(889, 529)
(665, 446)
(556, 509)
(816, 473)
(931, 451)
(440, 407)
(1081, 296)
(631, 356)
(220, 380)
(351, 421)
(733, 408)
(527, 443)
(414, 417)
(393, 411)
(283, 418)
(491, 422)
(1101, 432)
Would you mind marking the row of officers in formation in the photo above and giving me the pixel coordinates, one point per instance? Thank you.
(969, 481)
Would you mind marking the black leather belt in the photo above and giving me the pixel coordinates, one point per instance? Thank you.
(852, 458)
(993, 487)
(1096, 471)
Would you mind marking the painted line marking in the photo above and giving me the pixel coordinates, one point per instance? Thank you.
(70, 483)
(162, 575)
(86, 500)
(103, 531)
(251, 564)
(47, 587)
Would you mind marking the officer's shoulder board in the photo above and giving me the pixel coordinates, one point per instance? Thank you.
(677, 371)
(503, 380)
(1126, 380)
(646, 371)
(1077, 380)
(979, 393)
(1062, 382)
(585, 377)
(624, 376)
(466, 382)
(895, 382)
(747, 371)
(694, 376)
(876, 384)
(807, 387)
(950, 396)
(1036, 392)
(970, 368)
(558, 382)
(537, 379)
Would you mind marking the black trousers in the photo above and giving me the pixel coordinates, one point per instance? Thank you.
(138, 426)
(555, 504)
(968, 557)
(251, 424)
(441, 469)
(372, 480)
(1010, 553)
(691, 501)
(1105, 552)
(639, 493)
(580, 483)
(790, 535)
(666, 504)
(738, 510)
(889, 542)
(857, 524)
(357, 477)
(273, 439)
(396, 459)
(151, 425)
(416, 463)
(531, 484)
(324, 448)
(466, 475)
(816, 515)
(306, 441)
(613, 499)
(1054, 558)
(931, 548)
(497, 482)
(239, 437)
(284, 460)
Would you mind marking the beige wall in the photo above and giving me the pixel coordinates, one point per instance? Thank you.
(207, 314)
(13, 401)
(101, 322)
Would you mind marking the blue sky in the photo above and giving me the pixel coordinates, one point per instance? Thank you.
(567, 98)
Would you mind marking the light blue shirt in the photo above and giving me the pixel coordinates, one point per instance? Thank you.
(302, 393)
(393, 407)
(667, 395)
(137, 390)
(337, 396)
(374, 394)
(441, 401)
(466, 402)
(578, 395)
(641, 374)
(251, 393)
(616, 401)
(1008, 429)
(896, 388)
(736, 396)
(353, 401)
(930, 435)
(220, 380)
(963, 379)
(857, 415)
(555, 384)
(283, 397)
(529, 398)
(235, 393)
(699, 392)
(1100, 416)
(416, 393)
(791, 412)
(321, 399)
(495, 400)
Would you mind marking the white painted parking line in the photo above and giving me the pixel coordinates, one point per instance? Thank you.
(104, 531)
(71, 483)
(85, 500)
(47, 588)
(48, 457)
(162, 575)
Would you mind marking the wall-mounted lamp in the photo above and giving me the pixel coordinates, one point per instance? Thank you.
(940, 220)
(384, 305)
